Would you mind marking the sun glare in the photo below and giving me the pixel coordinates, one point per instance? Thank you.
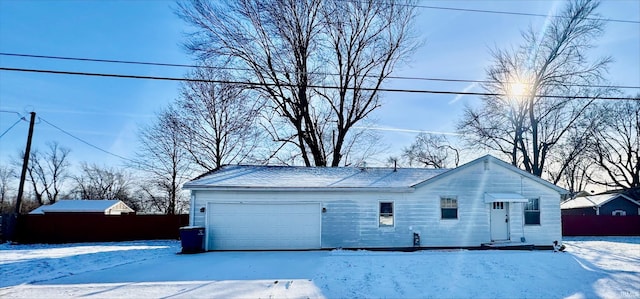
(518, 88)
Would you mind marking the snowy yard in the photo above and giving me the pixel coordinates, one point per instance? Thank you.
(592, 268)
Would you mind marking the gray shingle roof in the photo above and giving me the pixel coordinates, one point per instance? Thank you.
(245, 176)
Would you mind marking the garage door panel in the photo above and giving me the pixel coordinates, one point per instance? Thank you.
(237, 226)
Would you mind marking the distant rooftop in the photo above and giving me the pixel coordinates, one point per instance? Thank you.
(245, 176)
(87, 206)
(591, 201)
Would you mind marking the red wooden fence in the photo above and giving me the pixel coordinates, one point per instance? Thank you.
(603, 225)
(74, 227)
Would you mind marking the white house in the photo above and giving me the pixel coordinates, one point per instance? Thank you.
(107, 207)
(485, 201)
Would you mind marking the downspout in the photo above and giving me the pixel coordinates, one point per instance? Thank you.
(192, 207)
(523, 238)
(597, 207)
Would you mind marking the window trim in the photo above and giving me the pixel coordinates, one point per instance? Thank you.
(619, 212)
(393, 214)
(454, 199)
(525, 211)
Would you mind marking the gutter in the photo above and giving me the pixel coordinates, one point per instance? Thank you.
(303, 189)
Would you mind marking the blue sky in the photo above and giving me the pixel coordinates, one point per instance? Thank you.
(107, 112)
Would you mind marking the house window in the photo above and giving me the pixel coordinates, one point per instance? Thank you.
(619, 213)
(449, 207)
(532, 211)
(386, 214)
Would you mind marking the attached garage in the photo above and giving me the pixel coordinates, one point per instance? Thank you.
(250, 207)
(263, 226)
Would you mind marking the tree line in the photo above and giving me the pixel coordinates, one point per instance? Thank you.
(50, 178)
(316, 67)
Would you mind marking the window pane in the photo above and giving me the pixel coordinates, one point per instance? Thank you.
(386, 220)
(532, 205)
(386, 207)
(386, 214)
(449, 207)
(531, 217)
(449, 213)
(447, 202)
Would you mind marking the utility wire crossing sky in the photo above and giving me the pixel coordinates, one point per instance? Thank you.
(73, 70)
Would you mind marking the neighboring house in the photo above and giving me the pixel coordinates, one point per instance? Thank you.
(278, 207)
(615, 204)
(107, 207)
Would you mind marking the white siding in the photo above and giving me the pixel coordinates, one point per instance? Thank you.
(472, 227)
(351, 218)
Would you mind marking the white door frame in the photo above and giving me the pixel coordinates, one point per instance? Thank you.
(499, 221)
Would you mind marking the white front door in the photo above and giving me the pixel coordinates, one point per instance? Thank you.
(499, 221)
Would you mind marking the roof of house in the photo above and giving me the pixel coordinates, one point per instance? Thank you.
(274, 177)
(493, 160)
(593, 201)
(312, 177)
(77, 206)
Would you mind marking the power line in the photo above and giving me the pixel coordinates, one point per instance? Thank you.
(214, 67)
(134, 162)
(257, 84)
(502, 12)
(11, 127)
(246, 69)
(11, 111)
(20, 117)
(515, 13)
(86, 142)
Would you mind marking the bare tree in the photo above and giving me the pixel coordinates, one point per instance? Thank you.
(47, 172)
(364, 41)
(615, 147)
(96, 183)
(218, 121)
(165, 161)
(576, 175)
(429, 150)
(537, 86)
(570, 166)
(289, 47)
(7, 176)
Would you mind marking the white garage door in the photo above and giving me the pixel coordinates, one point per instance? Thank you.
(247, 226)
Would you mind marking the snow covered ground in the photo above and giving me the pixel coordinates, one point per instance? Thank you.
(591, 268)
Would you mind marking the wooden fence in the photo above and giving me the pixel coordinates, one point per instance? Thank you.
(74, 227)
(601, 225)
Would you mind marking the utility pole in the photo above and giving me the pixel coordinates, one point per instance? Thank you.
(9, 226)
(25, 163)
